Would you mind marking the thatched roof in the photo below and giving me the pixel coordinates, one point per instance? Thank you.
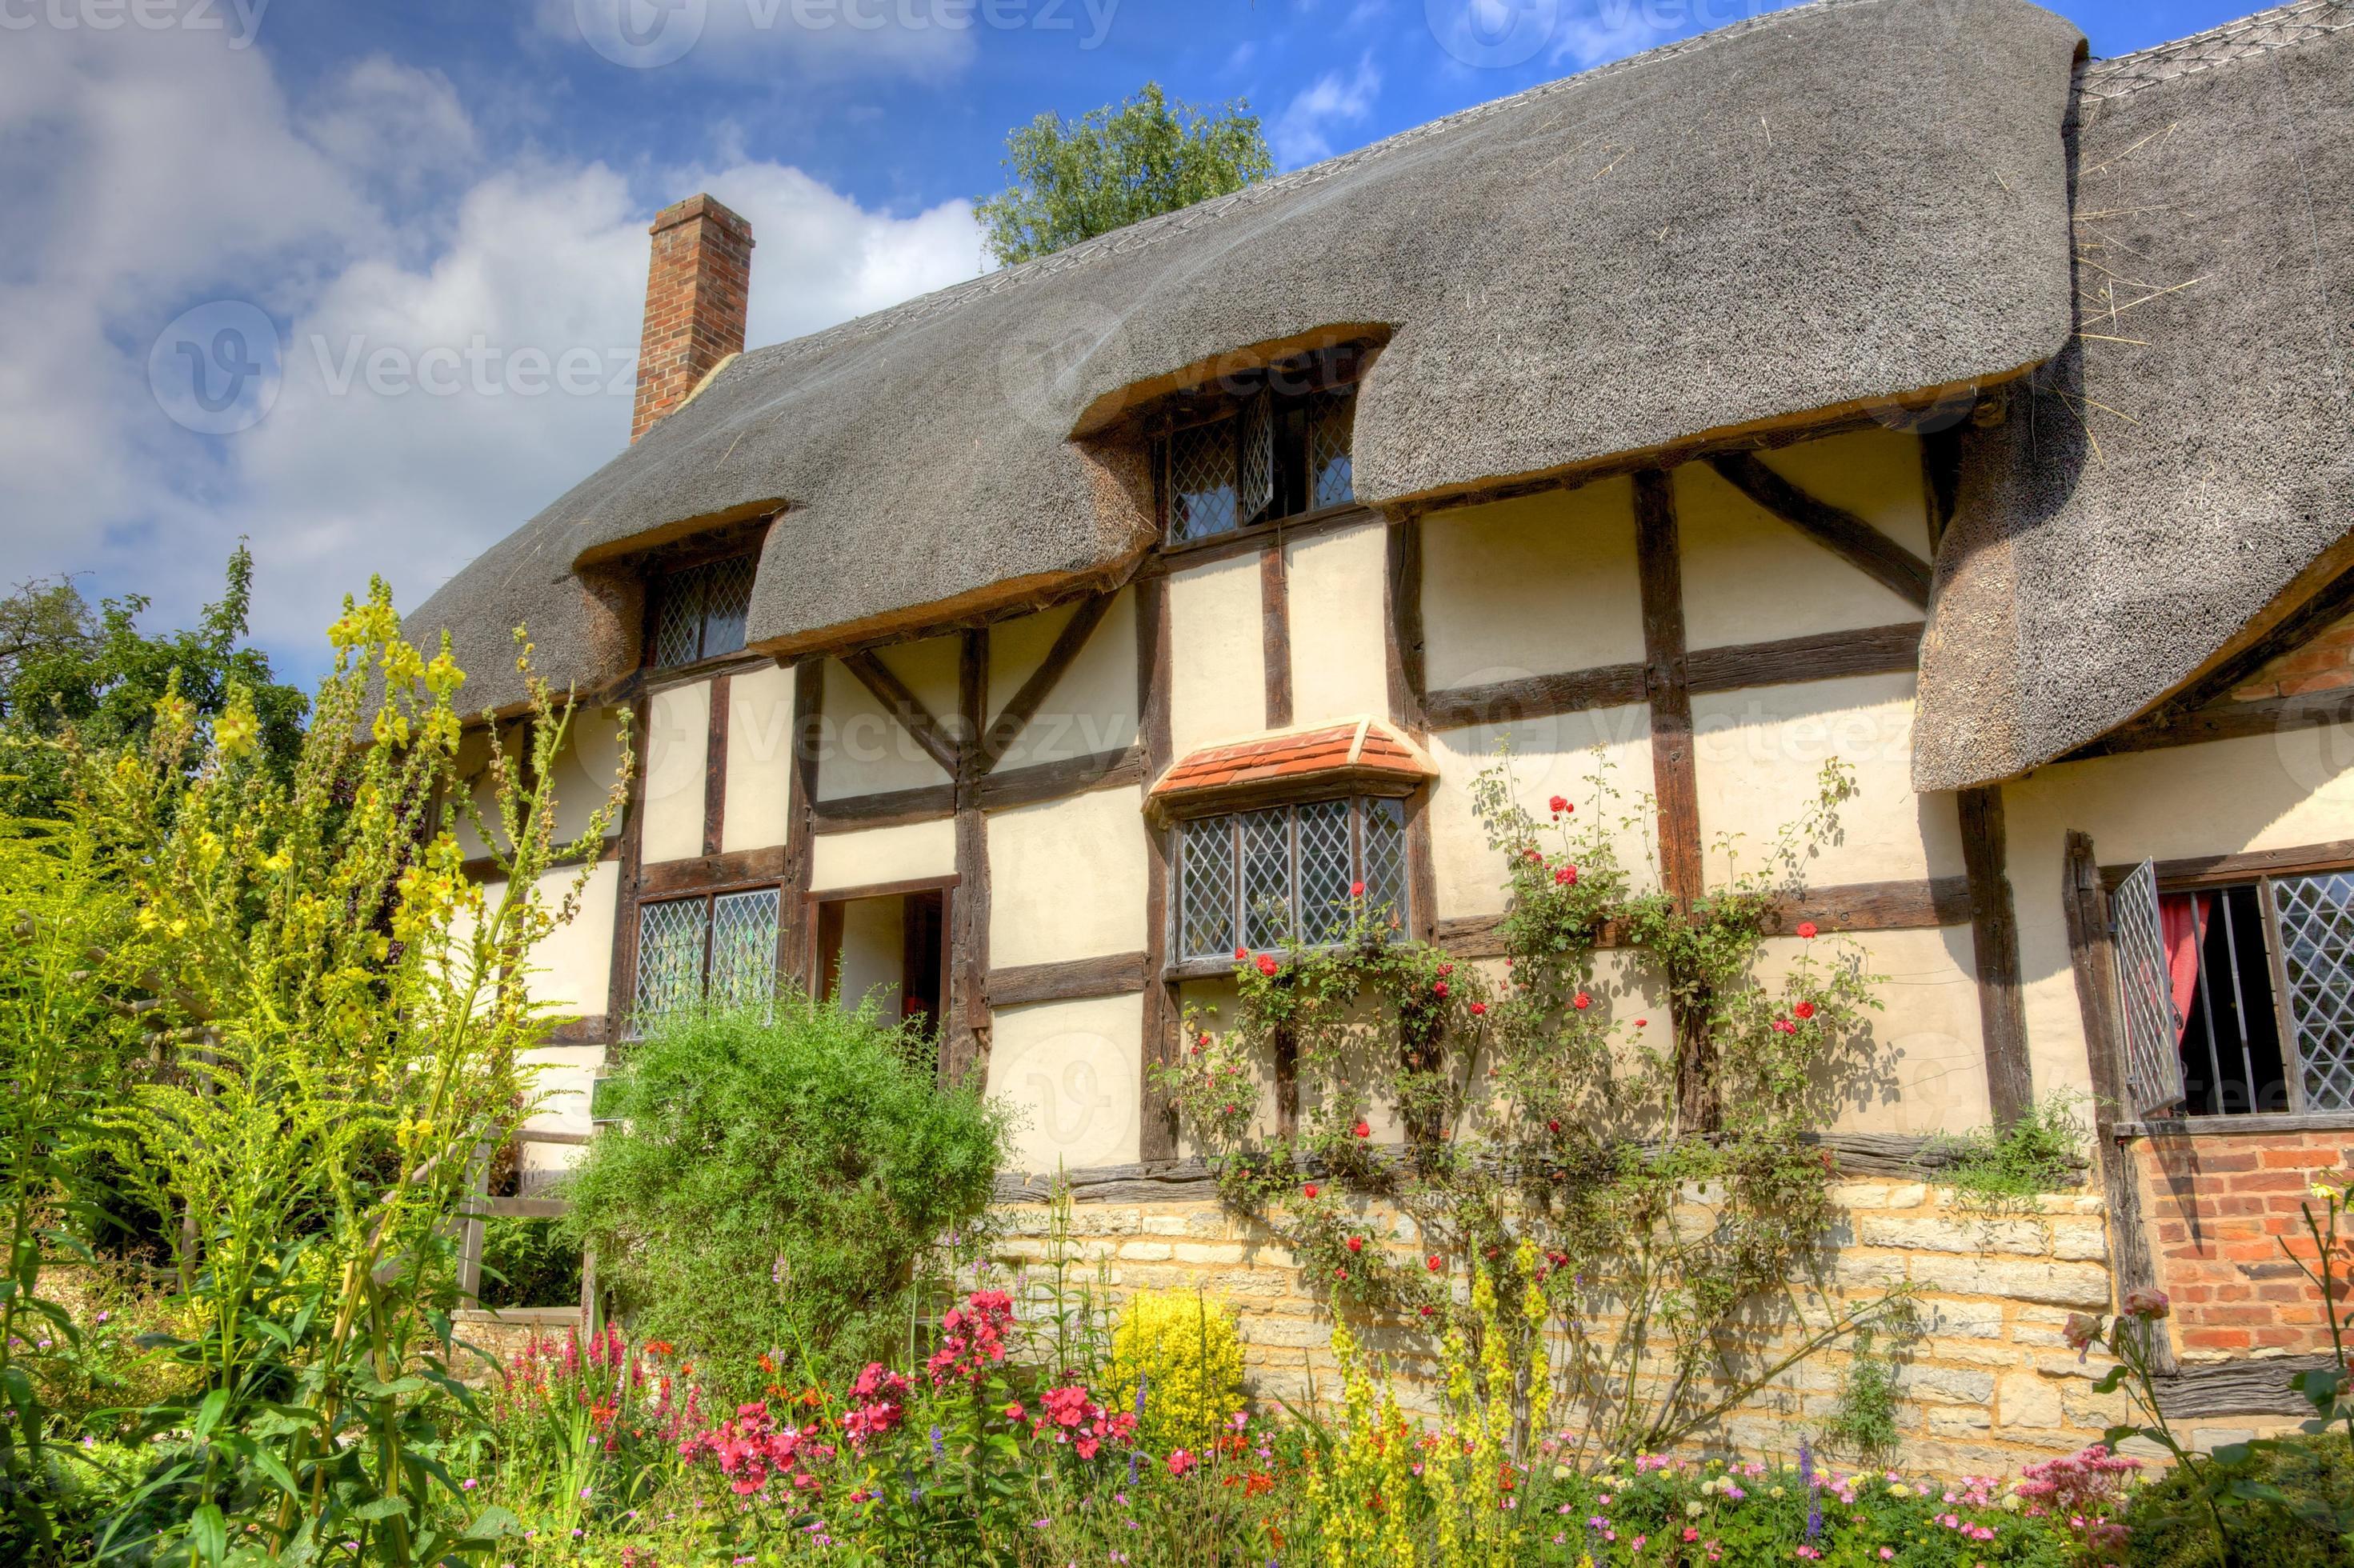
(1837, 204)
(2188, 458)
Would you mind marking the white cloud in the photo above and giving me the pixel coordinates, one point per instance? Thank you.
(1612, 29)
(429, 294)
(924, 39)
(1303, 132)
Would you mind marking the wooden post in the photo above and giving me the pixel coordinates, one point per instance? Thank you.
(470, 1240)
(1675, 779)
(2092, 955)
(1275, 631)
(968, 1005)
(714, 766)
(620, 989)
(1157, 1112)
(1994, 942)
(795, 958)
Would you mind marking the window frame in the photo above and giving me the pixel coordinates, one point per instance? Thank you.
(2262, 873)
(632, 1025)
(1325, 372)
(661, 573)
(1239, 910)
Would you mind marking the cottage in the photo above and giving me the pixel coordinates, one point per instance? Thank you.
(1878, 379)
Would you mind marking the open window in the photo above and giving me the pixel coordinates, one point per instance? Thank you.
(2238, 997)
(1260, 445)
(888, 943)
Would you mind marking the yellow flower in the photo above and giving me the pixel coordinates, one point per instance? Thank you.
(2327, 1193)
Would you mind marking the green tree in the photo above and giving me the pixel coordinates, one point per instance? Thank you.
(65, 665)
(1074, 180)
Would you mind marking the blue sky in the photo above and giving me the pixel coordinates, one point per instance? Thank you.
(416, 230)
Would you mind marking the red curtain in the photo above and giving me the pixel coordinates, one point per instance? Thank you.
(2182, 921)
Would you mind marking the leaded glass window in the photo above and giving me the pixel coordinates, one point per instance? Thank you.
(2315, 917)
(701, 612)
(1279, 444)
(721, 950)
(1252, 879)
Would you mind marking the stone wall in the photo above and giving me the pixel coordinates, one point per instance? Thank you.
(1990, 1385)
(2221, 1207)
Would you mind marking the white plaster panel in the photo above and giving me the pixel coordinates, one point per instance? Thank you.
(874, 952)
(1567, 754)
(864, 749)
(1758, 753)
(1339, 595)
(759, 759)
(1093, 708)
(1535, 585)
(1924, 1069)
(586, 770)
(1750, 577)
(2225, 796)
(1073, 1073)
(572, 966)
(677, 757)
(1210, 1005)
(873, 855)
(1217, 677)
(1874, 474)
(562, 1076)
(1066, 879)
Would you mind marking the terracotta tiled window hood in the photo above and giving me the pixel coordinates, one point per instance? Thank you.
(1355, 756)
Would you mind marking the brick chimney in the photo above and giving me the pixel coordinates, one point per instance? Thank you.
(697, 292)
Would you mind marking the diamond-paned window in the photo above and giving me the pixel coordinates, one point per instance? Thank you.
(1202, 482)
(1286, 872)
(1332, 434)
(701, 612)
(717, 950)
(1280, 444)
(670, 956)
(2316, 921)
(743, 948)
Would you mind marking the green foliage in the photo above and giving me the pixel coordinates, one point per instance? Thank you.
(528, 1263)
(64, 666)
(1666, 1223)
(2002, 1172)
(1114, 167)
(1177, 1355)
(779, 1184)
(1865, 1425)
(2169, 1520)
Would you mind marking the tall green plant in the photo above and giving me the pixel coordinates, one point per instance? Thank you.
(351, 1011)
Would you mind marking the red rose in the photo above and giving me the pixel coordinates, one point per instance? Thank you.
(1553, 1127)
(1434, 1263)
(1446, 969)
(1242, 954)
(1478, 1010)
(1641, 1023)
(1356, 1243)
(1430, 1312)
(1536, 857)
(1356, 890)
(1438, 988)
(1309, 1189)
(1806, 929)
(1558, 804)
(1340, 1274)
(1804, 1009)
(1361, 1130)
(1581, 1001)
(1266, 965)
(1566, 876)
(1784, 1026)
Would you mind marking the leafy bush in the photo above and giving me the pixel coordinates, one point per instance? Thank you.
(528, 1263)
(781, 1184)
(2171, 1526)
(1998, 1173)
(1182, 1350)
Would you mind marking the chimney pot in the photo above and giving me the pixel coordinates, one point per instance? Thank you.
(697, 297)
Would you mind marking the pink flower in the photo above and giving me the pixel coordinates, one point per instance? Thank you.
(2145, 1304)
(1438, 988)
(1180, 1462)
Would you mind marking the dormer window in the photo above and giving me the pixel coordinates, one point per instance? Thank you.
(700, 610)
(1262, 445)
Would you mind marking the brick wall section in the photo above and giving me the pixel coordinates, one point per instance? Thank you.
(698, 287)
(2324, 664)
(2220, 1208)
(1992, 1385)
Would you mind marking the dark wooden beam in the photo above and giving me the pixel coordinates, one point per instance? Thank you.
(621, 997)
(2251, 1386)
(1994, 943)
(1027, 698)
(1403, 638)
(2225, 721)
(1535, 697)
(715, 770)
(1840, 531)
(1844, 909)
(1064, 778)
(796, 940)
(1675, 780)
(487, 867)
(713, 872)
(2092, 957)
(2332, 602)
(1252, 540)
(1157, 1112)
(886, 809)
(1818, 656)
(858, 891)
(1941, 479)
(1274, 632)
(896, 699)
(1072, 979)
(2248, 865)
(968, 1002)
